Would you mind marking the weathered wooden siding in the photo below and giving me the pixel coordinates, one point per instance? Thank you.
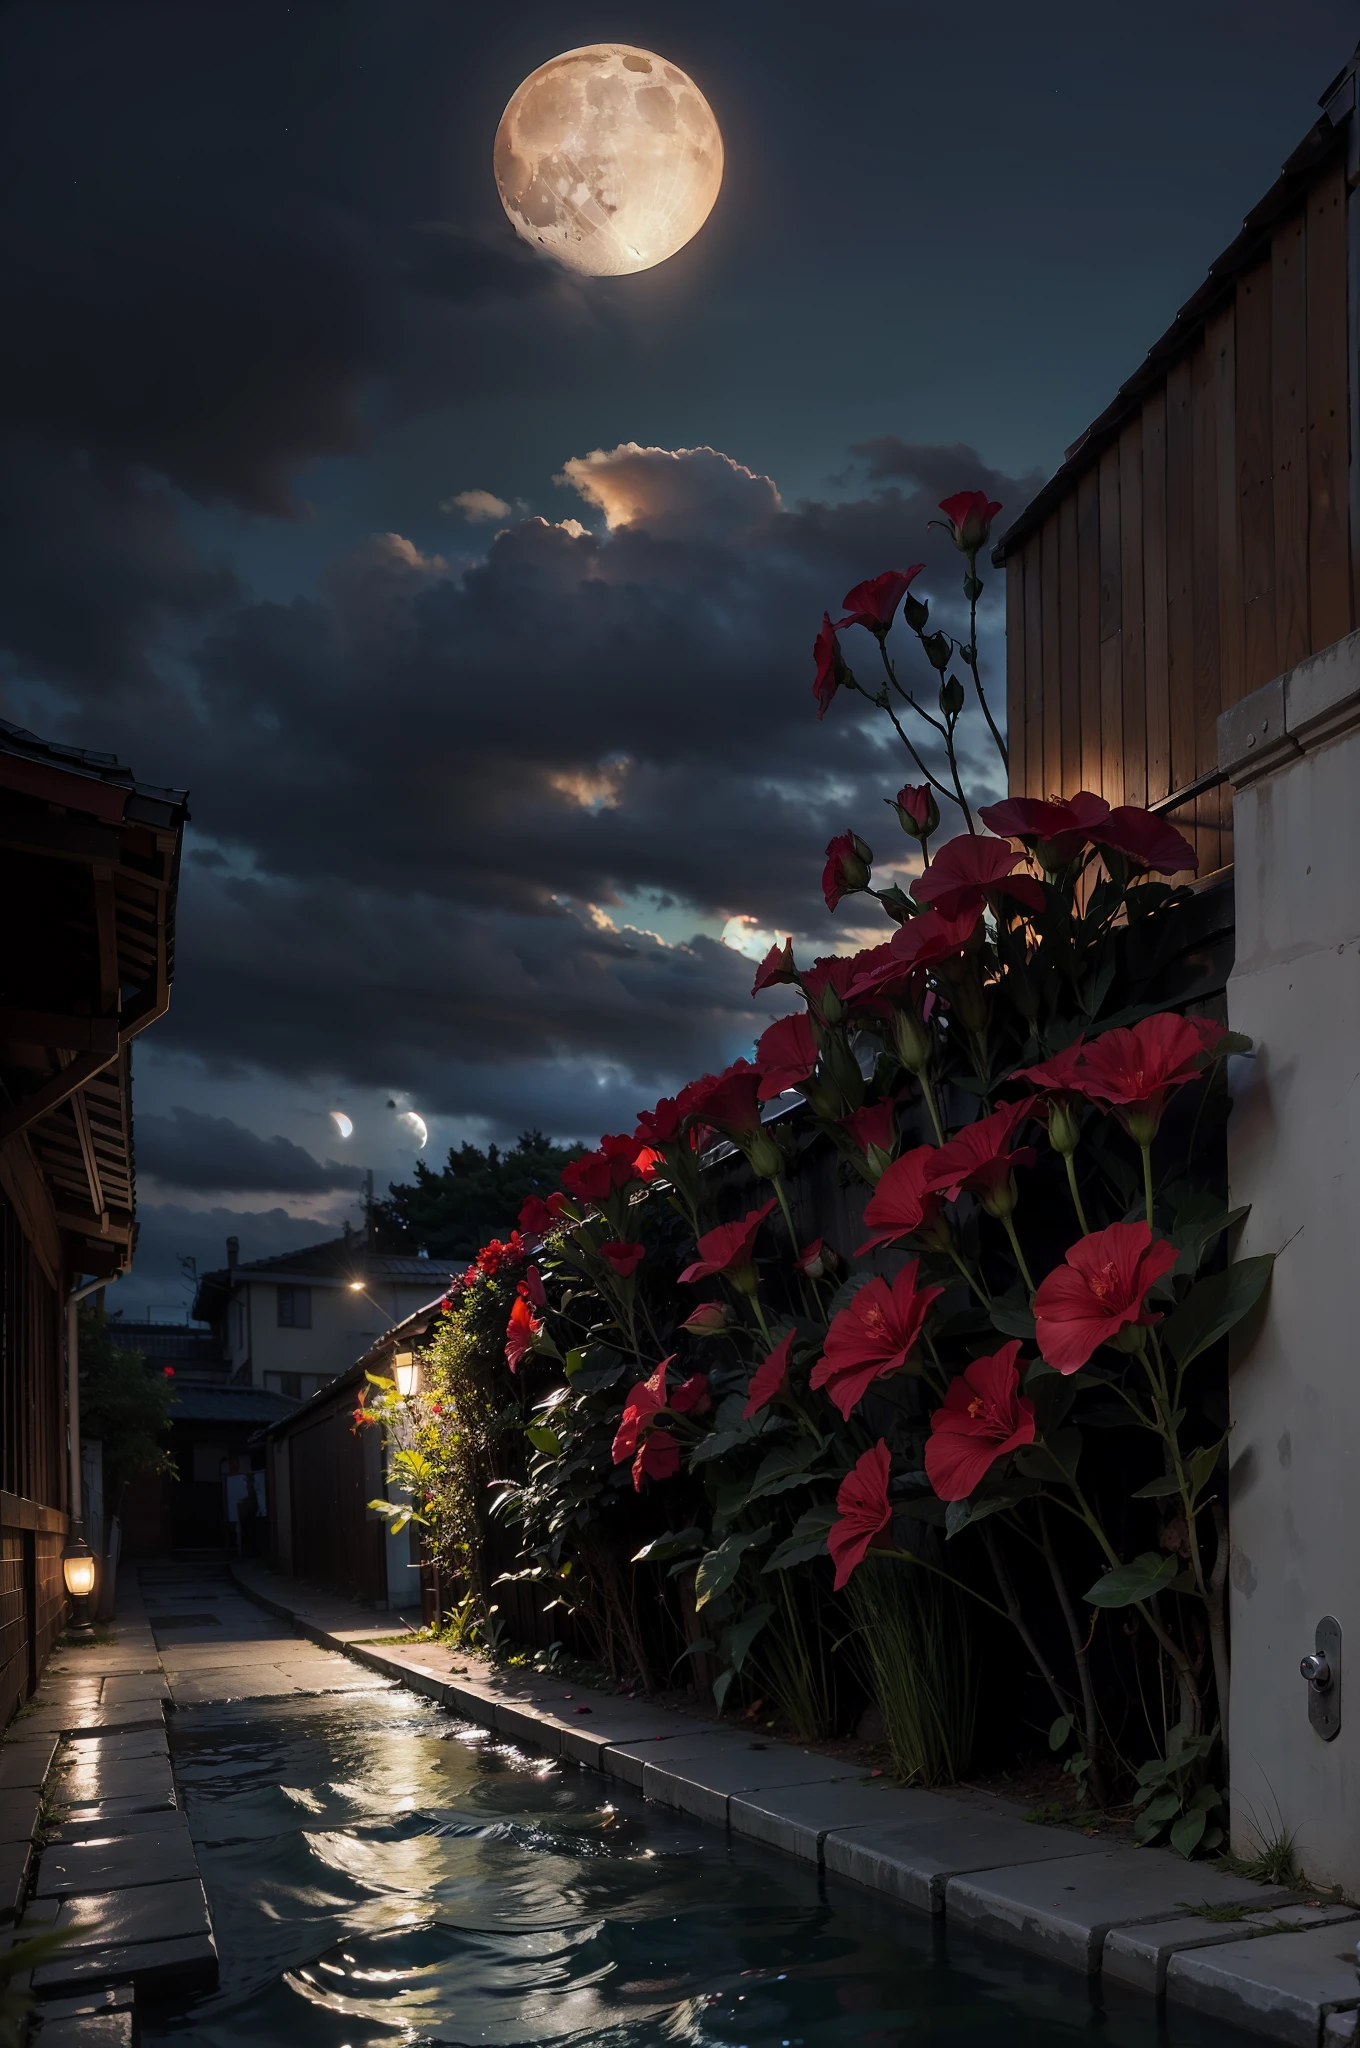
(1198, 544)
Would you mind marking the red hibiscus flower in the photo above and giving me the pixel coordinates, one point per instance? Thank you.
(776, 966)
(831, 670)
(644, 1401)
(984, 1416)
(1058, 830)
(1098, 1291)
(817, 1259)
(848, 866)
(872, 1337)
(538, 1216)
(768, 1379)
(874, 1127)
(970, 515)
(659, 1126)
(970, 872)
(658, 1458)
(904, 1201)
(521, 1332)
(531, 1287)
(730, 1249)
(981, 1158)
(1136, 1070)
(874, 602)
(622, 1259)
(935, 936)
(1060, 1075)
(730, 1101)
(786, 1054)
(596, 1175)
(710, 1319)
(863, 1509)
(692, 1397)
(1146, 842)
(917, 811)
(834, 974)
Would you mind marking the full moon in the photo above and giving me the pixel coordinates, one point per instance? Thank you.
(608, 159)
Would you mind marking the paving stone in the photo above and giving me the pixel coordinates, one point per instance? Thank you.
(116, 1863)
(703, 1784)
(107, 1749)
(1140, 1955)
(1284, 1985)
(136, 1714)
(105, 1998)
(89, 2030)
(105, 1810)
(87, 1824)
(149, 1912)
(24, 1765)
(1064, 1908)
(157, 1968)
(13, 1878)
(144, 1685)
(92, 1780)
(628, 1761)
(19, 1812)
(798, 1818)
(914, 1863)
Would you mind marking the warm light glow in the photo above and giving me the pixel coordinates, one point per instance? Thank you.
(77, 1568)
(406, 1371)
(356, 1286)
(609, 159)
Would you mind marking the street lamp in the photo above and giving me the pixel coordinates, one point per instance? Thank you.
(77, 1569)
(406, 1372)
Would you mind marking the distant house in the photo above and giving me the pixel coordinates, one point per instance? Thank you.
(89, 872)
(211, 1426)
(322, 1474)
(291, 1324)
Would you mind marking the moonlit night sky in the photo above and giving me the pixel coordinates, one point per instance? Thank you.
(473, 600)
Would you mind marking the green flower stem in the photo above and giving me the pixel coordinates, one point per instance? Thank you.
(786, 1212)
(933, 780)
(1146, 1151)
(1069, 1161)
(924, 1564)
(759, 1313)
(974, 1280)
(1025, 1273)
(929, 1093)
(971, 658)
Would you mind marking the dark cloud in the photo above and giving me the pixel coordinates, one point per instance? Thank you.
(444, 798)
(214, 1155)
(169, 1232)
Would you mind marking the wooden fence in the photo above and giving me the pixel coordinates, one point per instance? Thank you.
(1198, 540)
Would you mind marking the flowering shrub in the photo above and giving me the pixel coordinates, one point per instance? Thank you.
(1018, 1400)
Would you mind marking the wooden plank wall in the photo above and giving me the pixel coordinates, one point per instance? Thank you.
(1205, 550)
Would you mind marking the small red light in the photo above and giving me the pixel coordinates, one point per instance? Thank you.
(169, 1372)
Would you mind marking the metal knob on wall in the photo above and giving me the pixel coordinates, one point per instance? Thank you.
(1322, 1669)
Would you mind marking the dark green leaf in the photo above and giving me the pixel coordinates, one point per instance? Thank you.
(1013, 1318)
(718, 1568)
(545, 1440)
(1059, 1732)
(807, 1539)
(1204, 1464)
(1214, 1306)
(1187, 1832)
(1057, 1458)
(1128, 1583)
(740, 1637)
(674, 1543)
(927, 1509)
(1157, 1489)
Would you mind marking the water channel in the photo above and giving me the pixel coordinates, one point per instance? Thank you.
(381, 1873)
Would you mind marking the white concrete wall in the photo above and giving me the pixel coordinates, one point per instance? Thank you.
(1293, 750)
(344, 1324)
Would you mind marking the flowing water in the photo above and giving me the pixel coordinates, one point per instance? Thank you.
(380, 1873)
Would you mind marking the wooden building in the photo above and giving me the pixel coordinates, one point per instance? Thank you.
(89, 866)
(1203, 534)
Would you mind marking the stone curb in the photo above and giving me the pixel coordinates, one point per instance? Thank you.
(1142, 1917)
